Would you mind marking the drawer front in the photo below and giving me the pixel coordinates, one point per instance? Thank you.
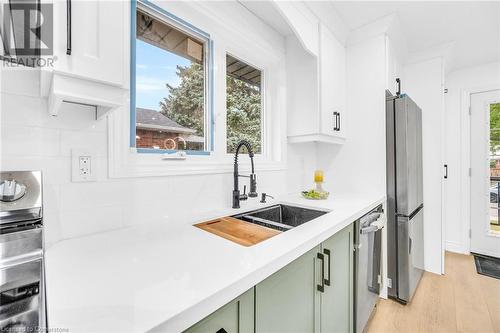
(21, 292)
(21, 243)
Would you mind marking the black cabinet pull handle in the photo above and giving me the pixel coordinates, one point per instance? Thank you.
(338, 127)
(68, 27)
(335, 119)
(321, 287)
(446, 171)
(398, 81)
(221, 331)
(327, 252)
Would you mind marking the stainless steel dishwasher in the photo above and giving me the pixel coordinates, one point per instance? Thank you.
(367, 245)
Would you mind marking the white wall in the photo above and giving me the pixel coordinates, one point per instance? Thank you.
(424, 84)
(32, 140)
(359, 165)
(457, 83)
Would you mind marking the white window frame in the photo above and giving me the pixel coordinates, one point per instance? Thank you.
(189, 30)
(263, 108)
(266, 53)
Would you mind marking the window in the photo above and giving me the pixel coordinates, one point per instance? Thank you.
(243, 104)
(494, 166)
(170, 84)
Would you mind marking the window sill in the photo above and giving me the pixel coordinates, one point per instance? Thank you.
(132, 164)
(189, 168)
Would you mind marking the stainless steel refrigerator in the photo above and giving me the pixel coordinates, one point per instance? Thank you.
(405, 241)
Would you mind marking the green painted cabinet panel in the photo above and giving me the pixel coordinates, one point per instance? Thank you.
(337, 300)
(287, 300)
(234, 317)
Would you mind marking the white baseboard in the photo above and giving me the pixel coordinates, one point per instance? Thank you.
(488, 253)
(455, 247)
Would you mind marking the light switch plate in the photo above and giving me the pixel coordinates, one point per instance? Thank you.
(83, 166)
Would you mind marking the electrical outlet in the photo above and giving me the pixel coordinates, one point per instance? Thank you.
(82, 166)
(85, 166)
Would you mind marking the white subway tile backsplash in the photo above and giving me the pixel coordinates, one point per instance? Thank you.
(55, 170)
(33, 140)
(52, 226)
(24, 111)
(20, 81)
(31, 111)
(94, 194)
(149, 191)
(150, 213)
(29, 141)
(75, 223)
(96, 141)
(51, 197)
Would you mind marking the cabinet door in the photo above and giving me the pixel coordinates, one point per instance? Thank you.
(332, 73)
(337, 300)
(98, 35)
(287, 300)
(234, 317)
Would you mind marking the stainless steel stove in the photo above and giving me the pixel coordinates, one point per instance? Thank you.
(22, 289)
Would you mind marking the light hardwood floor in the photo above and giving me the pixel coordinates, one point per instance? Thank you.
(459, 301)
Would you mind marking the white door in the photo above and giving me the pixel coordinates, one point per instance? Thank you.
(485, 173)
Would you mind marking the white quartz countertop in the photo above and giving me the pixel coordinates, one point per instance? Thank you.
(172, 275)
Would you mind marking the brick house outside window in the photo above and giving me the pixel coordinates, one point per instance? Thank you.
(155, 130)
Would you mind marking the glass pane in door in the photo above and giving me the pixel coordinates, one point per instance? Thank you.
(494, 167)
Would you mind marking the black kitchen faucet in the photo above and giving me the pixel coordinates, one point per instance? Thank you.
(253, 179)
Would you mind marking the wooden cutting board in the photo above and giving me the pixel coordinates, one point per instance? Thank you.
(238, 231)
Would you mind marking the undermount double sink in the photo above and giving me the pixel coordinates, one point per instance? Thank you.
(280, 217)
(255, 226)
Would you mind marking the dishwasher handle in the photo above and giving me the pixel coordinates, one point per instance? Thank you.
(373, 224)
(369, 229)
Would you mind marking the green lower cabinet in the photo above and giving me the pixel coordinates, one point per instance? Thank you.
(234, 317)
(337, 299)
(286, 301)
(313, 294)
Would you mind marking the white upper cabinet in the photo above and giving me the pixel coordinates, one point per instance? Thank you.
(90, 55)
(332, 74)
(316, 88)
(89, 41)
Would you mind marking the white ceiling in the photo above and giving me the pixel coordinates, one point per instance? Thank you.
(472, 27)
